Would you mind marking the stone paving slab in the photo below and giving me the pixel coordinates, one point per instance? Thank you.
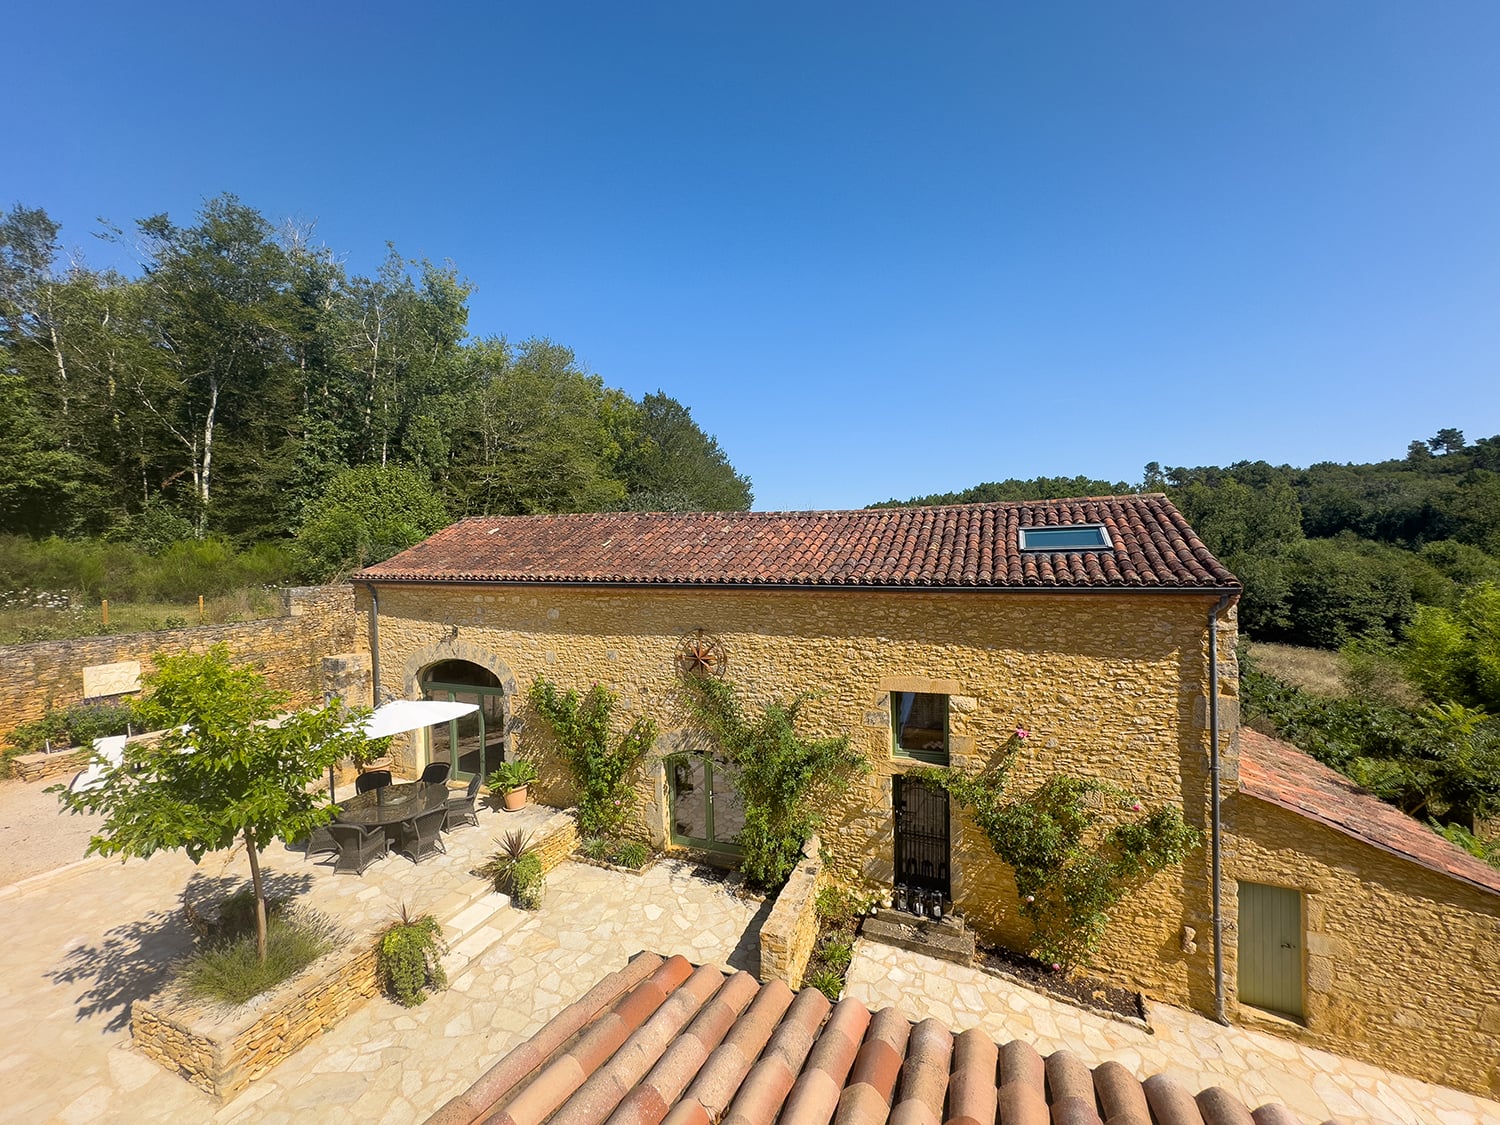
(76, 949)
(1254, 1065)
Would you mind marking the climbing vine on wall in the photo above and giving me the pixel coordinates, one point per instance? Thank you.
(1077, 847)
(600, 763)
(784, 779)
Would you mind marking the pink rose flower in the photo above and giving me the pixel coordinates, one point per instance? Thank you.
(1135, 807)
(1031, 898)
(1056, 967)
(1022, 732)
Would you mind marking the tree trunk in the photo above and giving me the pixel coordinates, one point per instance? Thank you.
(260, 895)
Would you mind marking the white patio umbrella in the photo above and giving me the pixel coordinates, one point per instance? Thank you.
(400, 716)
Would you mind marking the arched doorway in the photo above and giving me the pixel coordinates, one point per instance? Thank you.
(474, 744)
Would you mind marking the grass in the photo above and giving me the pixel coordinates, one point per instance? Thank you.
(25, 624)
(1316, 670)
(226, 970)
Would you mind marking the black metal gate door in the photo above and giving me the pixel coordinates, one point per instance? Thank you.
(921, 835)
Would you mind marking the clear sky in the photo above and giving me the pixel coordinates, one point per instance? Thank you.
(878, 249)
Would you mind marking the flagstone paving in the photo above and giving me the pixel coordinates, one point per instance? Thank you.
(76, 946)
(1255, 1066)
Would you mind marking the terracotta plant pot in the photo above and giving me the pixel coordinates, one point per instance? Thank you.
(514, 798)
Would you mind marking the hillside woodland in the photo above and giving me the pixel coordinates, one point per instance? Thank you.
(246, 388)
(1395, 566)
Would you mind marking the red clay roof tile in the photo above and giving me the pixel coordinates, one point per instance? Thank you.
(965, 546)
(817, 1061)
(1279, 773)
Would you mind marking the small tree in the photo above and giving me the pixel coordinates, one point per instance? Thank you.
(221, 772)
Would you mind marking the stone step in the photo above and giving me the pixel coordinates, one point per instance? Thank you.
(947, 940)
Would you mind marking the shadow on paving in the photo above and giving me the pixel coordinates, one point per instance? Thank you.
(746, 953)
(135, 960)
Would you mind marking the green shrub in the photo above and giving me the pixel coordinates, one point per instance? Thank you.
(527, 882)
(784, 779)
(838, 906)
(601, 765)
(408, 959)
(516, 870)
(226, 969)
(633, 854)
(1075, 845)
(76, 725)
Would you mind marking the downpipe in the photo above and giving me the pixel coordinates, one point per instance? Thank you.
(1215, 821)
(374, 644)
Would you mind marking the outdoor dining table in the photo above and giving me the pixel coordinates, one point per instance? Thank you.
(391, 804)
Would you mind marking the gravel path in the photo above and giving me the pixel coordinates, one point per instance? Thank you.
(36, 835)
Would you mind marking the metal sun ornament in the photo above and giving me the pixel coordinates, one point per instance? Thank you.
(700, 653)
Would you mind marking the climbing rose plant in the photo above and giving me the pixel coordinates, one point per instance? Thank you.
(601, 764)
(1077, 847)
(784, 780)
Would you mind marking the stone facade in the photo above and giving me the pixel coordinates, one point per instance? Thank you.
(789, 934)
(1111, 685)
(223, 1055)
(316, 622)
(1401, 966)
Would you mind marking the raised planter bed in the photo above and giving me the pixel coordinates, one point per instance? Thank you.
(222, 1050)
(41, 766)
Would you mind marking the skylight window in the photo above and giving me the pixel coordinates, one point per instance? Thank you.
(1067, 537)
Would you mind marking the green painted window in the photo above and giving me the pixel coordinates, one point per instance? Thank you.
(919, 722)
(1270, 948)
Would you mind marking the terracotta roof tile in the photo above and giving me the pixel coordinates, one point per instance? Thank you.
(1281, 774)
(628, 1051)
(964, 546)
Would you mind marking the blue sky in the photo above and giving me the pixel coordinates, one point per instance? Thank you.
(880, 250)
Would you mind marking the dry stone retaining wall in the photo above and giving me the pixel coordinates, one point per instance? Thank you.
(316, 622)
(788, 936)
(223, 1055)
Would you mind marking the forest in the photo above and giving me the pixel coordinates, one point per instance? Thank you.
(246, 389)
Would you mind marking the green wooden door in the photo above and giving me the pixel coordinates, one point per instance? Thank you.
(1271, 948)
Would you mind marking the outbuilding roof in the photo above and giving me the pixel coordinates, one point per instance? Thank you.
(962, 546)
(663, 1041)
(1283, 775)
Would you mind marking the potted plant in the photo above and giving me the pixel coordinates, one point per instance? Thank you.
(511, 779)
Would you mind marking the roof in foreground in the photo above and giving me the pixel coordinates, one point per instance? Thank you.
(1283, 775)
(963, 546)
(661, 1041)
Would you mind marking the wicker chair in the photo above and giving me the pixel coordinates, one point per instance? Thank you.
(321, 842)
(375, 779)
(422, 836)
(460, 810)
(436, 773)
(358, 846)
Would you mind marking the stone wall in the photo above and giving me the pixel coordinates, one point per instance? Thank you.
(1399, 962)
(316, 622)
(223, 1055)
(39, 767)
(1110, 685)
(788, 936)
